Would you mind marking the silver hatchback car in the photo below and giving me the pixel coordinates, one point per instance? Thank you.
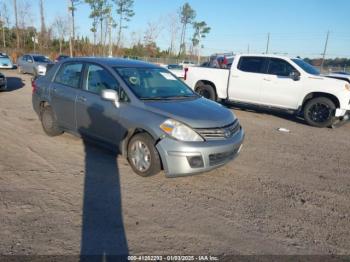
(142, 110)
(33, 64)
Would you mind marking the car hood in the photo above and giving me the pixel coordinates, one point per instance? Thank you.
(5, 61)
(196, 113)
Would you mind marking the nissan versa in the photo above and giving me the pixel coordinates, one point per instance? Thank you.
(150, 117)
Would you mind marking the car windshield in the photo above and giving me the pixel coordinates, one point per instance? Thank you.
(41, 59)
(154, 84)
(306, 67)
(179, 67)
(3, 56)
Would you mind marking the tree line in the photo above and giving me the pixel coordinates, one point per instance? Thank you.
(109, 29)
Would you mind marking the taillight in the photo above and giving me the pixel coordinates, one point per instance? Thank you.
(186, 70)
(34, 86)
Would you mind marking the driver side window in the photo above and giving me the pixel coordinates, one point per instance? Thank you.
(99, 79)
(279, 67)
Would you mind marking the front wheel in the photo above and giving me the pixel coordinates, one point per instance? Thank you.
(207, 91)
(320, 112)
(143, 156)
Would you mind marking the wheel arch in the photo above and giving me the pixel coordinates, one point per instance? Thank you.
(123, 148)
(129, 134)
(312, 95)
(204, 82)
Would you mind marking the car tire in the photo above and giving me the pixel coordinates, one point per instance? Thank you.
(320, 112)
(143, 156)
(206, 91)
(49, 122)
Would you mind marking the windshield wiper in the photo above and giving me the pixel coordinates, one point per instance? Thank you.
(167, 97)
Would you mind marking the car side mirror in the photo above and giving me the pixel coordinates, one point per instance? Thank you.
(30, 61)
(295, 75)
(111, 95)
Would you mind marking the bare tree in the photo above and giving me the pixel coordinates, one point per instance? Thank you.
(25, 18)
(4, 20)
(16, 21)
(61, 28)
(151, 35)
(173, 28)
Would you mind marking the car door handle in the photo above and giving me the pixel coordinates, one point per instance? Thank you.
(82, 98)
(267, 79)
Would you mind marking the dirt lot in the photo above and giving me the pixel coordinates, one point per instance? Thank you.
(287, 193)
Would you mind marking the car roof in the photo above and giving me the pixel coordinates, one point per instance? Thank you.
(32, 54)
(112, 62)
(270, 55)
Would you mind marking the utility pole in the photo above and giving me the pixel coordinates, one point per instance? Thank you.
(268, 43)
(325, 50)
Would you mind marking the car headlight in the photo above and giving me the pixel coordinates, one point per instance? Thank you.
(347, 86)
(41, 68)
(180, 131)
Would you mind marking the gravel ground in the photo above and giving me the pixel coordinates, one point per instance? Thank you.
(287, 193)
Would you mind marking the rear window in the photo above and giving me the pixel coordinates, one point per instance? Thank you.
(252, 64)
(3, 56)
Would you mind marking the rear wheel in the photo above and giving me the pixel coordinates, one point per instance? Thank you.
(49, 122)
(143, 156)
(207, 91)
(319, 112)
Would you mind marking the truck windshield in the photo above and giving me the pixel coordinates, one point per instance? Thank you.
(154, 84)
(306, 67)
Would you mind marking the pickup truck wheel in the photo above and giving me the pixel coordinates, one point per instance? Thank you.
(49, 122)
(143, 156)
(319, 112)
(206, 91)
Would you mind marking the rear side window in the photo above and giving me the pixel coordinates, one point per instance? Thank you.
(279, 67)
(69, 75)
(252, 64)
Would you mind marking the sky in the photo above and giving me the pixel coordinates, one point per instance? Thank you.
(296, 27)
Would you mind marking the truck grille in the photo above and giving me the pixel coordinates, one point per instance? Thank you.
(219, 133)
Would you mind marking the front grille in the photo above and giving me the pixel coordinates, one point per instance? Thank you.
(219, 133)
(219, 158)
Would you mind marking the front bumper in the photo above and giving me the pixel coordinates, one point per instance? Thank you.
(6, 66)
(176, 155)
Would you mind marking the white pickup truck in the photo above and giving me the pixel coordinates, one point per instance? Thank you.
(275, 82)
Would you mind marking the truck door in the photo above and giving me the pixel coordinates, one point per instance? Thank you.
(278, 88)
(246, 78)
